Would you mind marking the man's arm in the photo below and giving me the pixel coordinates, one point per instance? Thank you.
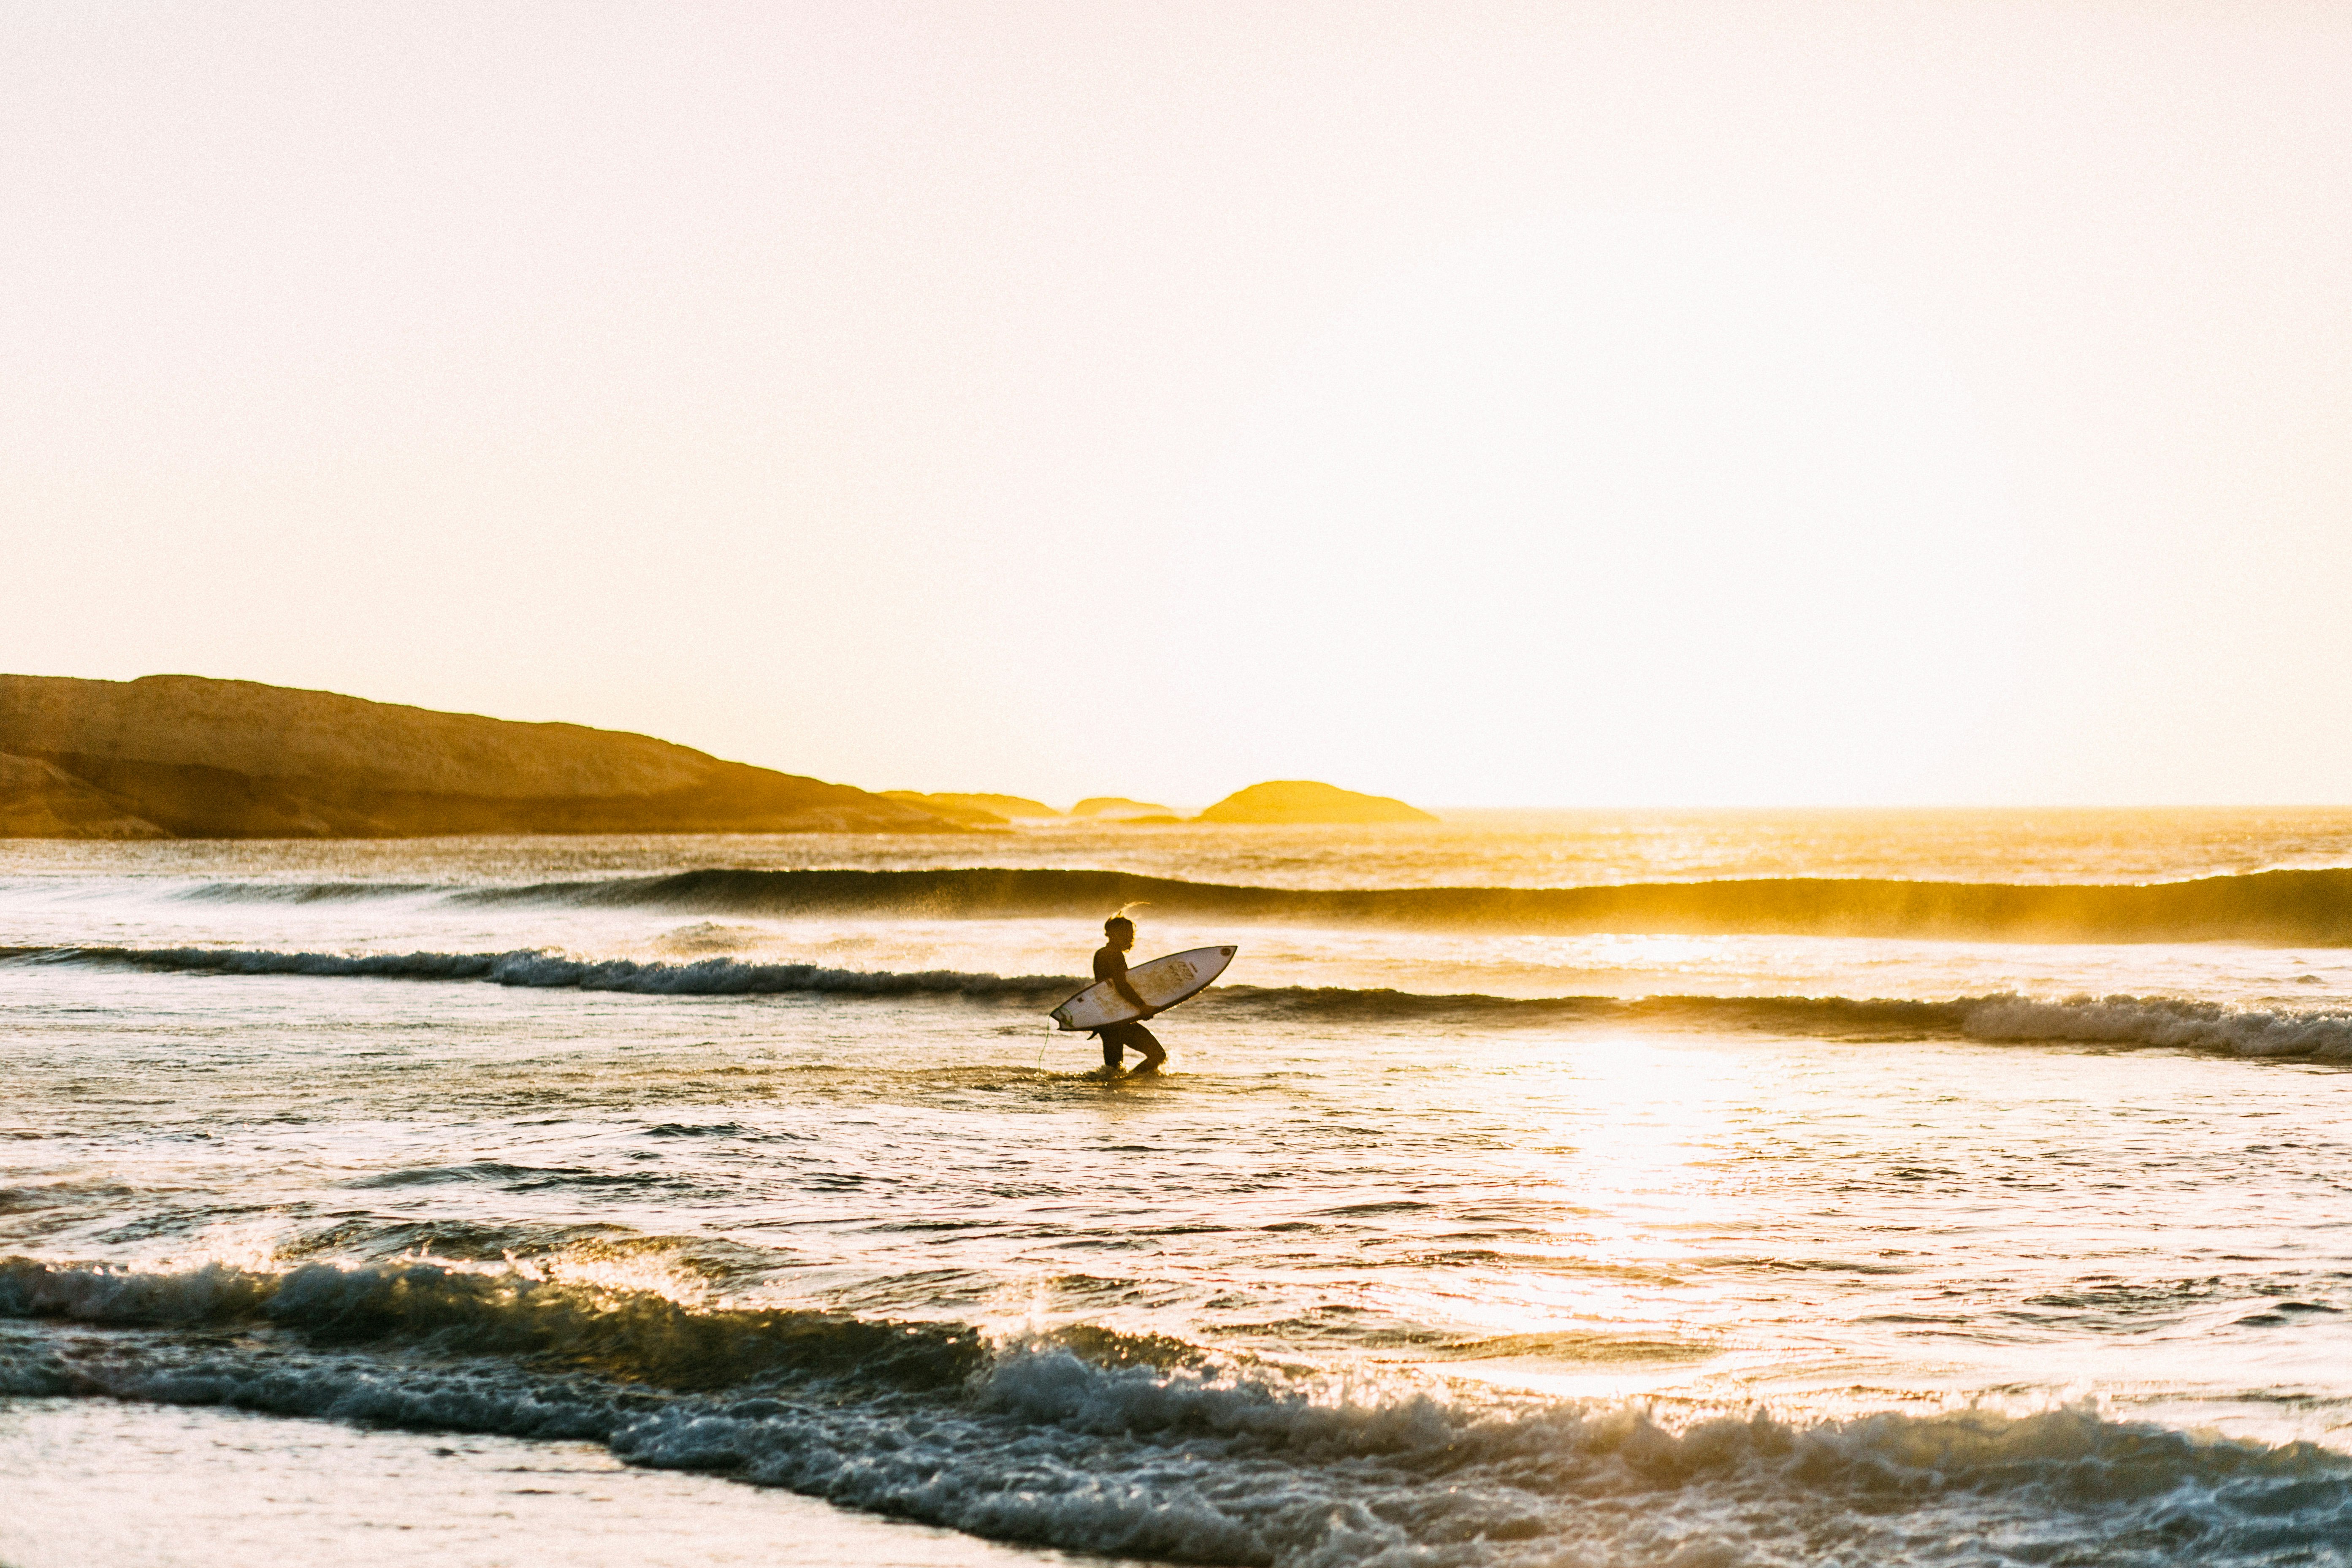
(1118, 978)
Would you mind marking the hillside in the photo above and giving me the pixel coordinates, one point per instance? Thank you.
(954, 807)
(178, 756)
(1117, 807)
(1299, 800)
(979, 810)
(1006, 806)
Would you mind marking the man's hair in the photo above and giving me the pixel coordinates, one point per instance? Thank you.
(1115, 922)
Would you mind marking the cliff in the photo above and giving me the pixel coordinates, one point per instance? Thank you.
(177, 756)
(1296, 800)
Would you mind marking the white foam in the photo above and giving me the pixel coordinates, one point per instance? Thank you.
(2165, 1021)
(1211, 1462)
(540, 970)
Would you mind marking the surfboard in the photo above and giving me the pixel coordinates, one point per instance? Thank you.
(1164, 983)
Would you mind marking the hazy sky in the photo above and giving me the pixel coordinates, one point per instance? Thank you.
(1484, 404)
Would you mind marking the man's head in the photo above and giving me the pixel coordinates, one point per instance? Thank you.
(1120, 931)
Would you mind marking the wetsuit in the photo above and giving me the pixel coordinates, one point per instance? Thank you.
(1111, 965)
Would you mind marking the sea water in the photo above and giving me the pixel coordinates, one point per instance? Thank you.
(701, 1200)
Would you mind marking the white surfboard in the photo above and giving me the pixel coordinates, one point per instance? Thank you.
(1164, 983)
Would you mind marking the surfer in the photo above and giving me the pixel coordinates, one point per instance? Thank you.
(1110, 963)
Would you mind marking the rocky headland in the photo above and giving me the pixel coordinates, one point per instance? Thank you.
(178, 756)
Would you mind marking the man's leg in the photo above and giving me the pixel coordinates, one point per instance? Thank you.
(1114, 1046)
(1146, 1044)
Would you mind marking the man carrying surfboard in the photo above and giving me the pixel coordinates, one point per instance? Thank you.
(1110, 963)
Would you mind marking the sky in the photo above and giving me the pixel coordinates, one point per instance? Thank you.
(1482, 403)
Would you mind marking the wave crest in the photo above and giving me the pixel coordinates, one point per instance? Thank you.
(2290, 907)
(635, 1335)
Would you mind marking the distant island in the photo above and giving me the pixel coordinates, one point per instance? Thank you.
(1302, 801)
(178, 756)
(1283, 801)
(979, 810)
(1119, 807)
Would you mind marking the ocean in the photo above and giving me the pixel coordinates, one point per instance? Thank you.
(1683, 1188)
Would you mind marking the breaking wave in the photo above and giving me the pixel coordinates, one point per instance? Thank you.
(309, 892)
(1089, 1441)
(2112, 1020)
(2323, 1034)
(2291, 907)
(530, 968)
